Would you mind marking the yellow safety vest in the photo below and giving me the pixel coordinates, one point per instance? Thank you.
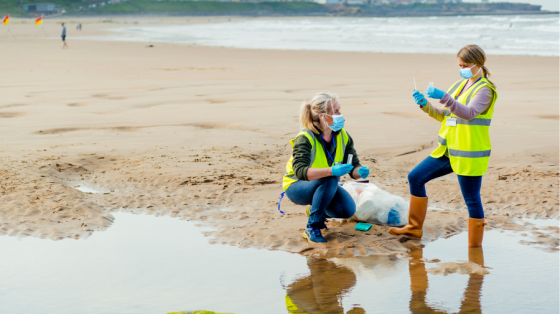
(318, 154)
(292, 307)
(468, 143)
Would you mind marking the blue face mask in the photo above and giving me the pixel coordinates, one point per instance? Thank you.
(467, 73)
(338, 123)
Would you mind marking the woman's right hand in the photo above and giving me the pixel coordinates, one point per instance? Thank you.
(419, 98)
(340, 170)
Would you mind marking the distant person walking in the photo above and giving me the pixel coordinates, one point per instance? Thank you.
(464, 142)
(63, 35)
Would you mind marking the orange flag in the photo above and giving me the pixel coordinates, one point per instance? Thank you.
(39, 21)
(7, 19)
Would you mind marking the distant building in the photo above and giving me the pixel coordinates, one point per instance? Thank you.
(46, 8)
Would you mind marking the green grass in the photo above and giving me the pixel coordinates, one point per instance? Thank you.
(209, 7)
(10, 7)
(147, 6)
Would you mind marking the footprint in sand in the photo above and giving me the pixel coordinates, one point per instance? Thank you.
(13, 105)
(549, 116)
(109, 97)
(12, 114)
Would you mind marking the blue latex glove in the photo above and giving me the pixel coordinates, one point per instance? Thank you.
(363, 172)
(340, 170)
(435, 93)
(419, 98)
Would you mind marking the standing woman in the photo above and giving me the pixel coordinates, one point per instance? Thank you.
(319, 155)
(464, 142)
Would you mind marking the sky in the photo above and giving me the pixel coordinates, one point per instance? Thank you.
(549, 5)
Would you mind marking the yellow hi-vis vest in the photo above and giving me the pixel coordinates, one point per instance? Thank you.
(468, 143)
(318, 154)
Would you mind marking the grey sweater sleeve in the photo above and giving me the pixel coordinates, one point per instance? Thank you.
(479, 103)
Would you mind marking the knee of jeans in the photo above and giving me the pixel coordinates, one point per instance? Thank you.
(414, 178)
(473, 200)
(349, 212)
(330, 181)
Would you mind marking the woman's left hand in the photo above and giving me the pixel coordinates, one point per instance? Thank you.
(363, 172)
(435, 93)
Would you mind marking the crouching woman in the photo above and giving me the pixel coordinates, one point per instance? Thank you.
(319, 158)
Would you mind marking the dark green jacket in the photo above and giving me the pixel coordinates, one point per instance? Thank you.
(302, 154)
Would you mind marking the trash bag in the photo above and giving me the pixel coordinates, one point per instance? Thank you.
(377, 206)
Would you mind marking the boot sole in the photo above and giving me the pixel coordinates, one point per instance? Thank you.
(406, 235)
(308, 240)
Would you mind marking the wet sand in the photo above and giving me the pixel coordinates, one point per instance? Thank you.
(202, 134)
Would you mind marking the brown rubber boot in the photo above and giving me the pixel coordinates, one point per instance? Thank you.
(416, 216)
(476, 232)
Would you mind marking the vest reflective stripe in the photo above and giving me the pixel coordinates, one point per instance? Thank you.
(475, 121)
(468, 143)
(464, 153)
(318, 154)
(441, 140)
(292, 176)
(471, 94)
(454, 88)
(313, 148)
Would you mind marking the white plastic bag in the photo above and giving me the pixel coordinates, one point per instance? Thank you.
(377, 206)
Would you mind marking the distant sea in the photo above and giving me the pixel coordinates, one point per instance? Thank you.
(497, 34)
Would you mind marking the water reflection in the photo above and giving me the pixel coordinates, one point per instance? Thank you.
(419, 284)
(328, 282)
(147, 264)
(322, 290)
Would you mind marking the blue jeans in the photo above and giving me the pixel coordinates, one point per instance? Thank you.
(431, 168)
(326, 198)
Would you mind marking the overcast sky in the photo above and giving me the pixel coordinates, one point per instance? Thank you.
(549, 5)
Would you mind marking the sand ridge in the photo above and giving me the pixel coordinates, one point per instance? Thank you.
(40, 200)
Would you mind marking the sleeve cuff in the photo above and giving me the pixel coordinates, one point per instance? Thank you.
(445, 100)
(352, 172)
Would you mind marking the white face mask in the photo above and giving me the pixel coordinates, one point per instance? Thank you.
(338, 122)
(467, 73)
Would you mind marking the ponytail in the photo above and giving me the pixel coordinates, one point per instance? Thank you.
(486, 73)
(306, 117)
(310, 111)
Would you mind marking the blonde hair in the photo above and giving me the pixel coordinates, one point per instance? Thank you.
(310, 111)
(474, 54)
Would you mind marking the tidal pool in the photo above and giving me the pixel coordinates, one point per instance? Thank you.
(147, 264)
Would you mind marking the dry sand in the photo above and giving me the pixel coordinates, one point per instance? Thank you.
(202, 133)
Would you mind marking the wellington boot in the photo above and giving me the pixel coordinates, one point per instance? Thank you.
(416, 216)
(476, 232)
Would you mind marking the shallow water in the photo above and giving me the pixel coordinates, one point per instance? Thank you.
(543, 222)
(147, 264)
(497, 34)
(87, 189)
